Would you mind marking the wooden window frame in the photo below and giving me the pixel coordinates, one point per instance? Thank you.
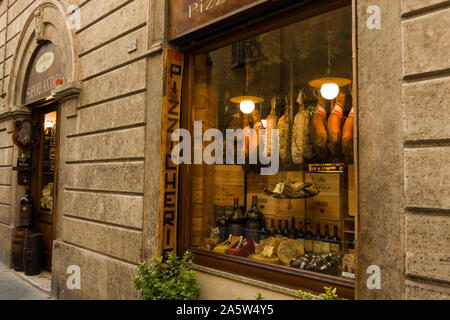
(274, 274)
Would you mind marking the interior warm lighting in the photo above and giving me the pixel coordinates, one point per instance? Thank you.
(329, 91)
(48, 124)
(247, 106)
(247, 103)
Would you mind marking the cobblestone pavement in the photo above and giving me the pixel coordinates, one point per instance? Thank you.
(13, 288)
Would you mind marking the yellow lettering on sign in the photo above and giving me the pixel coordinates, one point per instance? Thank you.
(202, 6)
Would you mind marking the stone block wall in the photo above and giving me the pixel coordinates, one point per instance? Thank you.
(426, 118)
(107, 202)
(404, 147)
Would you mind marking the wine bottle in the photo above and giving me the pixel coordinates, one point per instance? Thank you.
(293, 232)
(240, 243)
(228, 242)
(222, 224)
(300, 235)
(286, 230)
(279, 232)
(263, 233)
(254, 218)
(317, 242)
(235, 226)
(272, 231)
(335, 241)
(308, 238)
(326, 241)
(26, 210)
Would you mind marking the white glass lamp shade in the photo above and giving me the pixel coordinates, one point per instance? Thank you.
(247, 106)
(329, 91)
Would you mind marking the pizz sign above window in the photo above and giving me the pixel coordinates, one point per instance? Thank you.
(187, 16)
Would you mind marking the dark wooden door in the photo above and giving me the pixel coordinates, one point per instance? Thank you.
(43, 189)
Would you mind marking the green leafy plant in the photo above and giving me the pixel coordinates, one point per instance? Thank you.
(303, 295)
(171, 279)
(259, 296)
(330, 294)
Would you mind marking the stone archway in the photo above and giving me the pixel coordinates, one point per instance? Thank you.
(46, 23)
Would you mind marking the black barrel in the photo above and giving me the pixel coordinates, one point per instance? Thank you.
(32, 254)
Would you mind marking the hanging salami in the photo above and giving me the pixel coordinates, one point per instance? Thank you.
(334, 128)
(300, 132)
(272, 123)
(283, 131)
(318, 129)
(347, 138)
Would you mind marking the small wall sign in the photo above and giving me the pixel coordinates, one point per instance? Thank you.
(186, 16)
(44, 74)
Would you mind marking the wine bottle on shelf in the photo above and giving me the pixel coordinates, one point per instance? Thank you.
(222, 224)
(317, 242)
(240, 243)
(300, 235)
(279, 232)
(230, 239)
(286, 230)
(326, 241)
(308, 238)
(293, 232)
(253, 224)
(235, 226)
(263, 233)
(272, 231)
(335, 241)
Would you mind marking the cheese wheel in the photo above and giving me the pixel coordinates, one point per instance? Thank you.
(271, 242)
(274, 260)
(288, 250)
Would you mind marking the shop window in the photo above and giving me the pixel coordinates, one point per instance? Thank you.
(296, 79)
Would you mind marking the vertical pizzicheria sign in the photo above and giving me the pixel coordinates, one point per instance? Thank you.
(171, 111)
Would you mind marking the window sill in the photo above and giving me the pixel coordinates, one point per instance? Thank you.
(246, 280)
(278, 276)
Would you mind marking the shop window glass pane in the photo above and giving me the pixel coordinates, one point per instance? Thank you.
(303, 215)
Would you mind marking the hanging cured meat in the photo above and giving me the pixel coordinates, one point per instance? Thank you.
(272, 123)
(334, 128)
(300, 132)
(347, 138)
(283, 131)
(318, 129)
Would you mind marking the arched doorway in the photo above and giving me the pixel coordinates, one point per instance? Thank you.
(44, 75)
(43, 81)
